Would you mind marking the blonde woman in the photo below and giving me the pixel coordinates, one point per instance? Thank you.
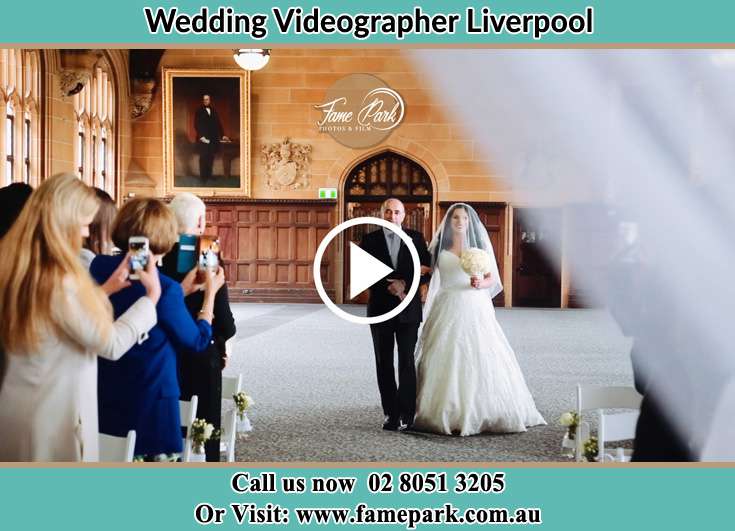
(54, 322)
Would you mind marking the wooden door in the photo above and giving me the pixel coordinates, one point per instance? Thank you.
(588, 241)
(492, 216)
(537, 258)
(371, 182)
(418, 218)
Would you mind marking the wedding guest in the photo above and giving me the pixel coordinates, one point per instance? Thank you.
(201, 375)
(12, 199)
(54, 322)
(141, 391)
(99, 240)
(645, 311)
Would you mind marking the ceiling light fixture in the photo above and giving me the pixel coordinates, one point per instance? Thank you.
(252, 58)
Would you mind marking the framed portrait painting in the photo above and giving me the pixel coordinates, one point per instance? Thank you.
(206, 132)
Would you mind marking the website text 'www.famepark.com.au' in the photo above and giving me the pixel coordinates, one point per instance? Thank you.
(410, 517)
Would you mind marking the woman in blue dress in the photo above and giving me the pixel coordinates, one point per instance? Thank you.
(141, 391)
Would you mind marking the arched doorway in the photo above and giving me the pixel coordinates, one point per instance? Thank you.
(386, 174)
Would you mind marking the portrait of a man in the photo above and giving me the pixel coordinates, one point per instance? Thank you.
(206, 138)
(209, 134)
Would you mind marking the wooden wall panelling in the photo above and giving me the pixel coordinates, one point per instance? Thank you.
(269, 247)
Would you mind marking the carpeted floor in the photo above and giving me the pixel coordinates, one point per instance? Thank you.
(312, 376)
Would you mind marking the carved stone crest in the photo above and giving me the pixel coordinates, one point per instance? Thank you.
(142, 97)
(286, 165)
(76, 70)
(72, 81)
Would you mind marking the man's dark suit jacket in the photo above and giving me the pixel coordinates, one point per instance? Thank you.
(223, 323)
(208, 126)
(381, 301)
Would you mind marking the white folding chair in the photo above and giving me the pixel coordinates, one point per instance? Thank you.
(592, 397)
(230, 386)
(116, 449)
(188, 412)
(615, 427)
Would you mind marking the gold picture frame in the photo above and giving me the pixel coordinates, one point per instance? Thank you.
(192, 162)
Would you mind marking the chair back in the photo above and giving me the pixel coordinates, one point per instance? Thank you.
(595, 397)
(188, 412)
(231, 385)
(615, 427)
(607, 397)
(117, 449)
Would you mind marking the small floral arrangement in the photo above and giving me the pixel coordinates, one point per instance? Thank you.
(570, 419)
(201, 432)
(243, 403)
(475, 262)
(590, 449)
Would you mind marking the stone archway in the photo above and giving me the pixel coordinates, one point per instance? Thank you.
(374, 179)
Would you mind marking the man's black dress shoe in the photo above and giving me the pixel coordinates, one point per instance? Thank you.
(391, 424)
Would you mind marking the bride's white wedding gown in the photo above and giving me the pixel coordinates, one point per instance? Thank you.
(467, 375)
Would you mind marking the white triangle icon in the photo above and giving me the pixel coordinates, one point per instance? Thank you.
(365, 270)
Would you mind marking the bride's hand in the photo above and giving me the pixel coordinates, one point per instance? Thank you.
(480, 282)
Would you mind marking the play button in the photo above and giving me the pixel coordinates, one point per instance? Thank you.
(366, 270)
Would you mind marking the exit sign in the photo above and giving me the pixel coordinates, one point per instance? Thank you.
(327, 193)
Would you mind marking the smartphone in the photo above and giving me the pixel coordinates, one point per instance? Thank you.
(207, 255)
(187, 258)
(208, 252)
(140, 254)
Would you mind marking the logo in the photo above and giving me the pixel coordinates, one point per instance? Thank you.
(366, 270)
(360, 111)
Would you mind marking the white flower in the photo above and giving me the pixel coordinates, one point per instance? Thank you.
(475, 261)
(243, 401)
(566, 419)
(201, 431)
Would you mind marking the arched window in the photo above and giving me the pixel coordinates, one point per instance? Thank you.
(94, 107)
(9, 143)
(20, 82)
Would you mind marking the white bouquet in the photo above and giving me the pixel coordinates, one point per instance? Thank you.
(475, 262)
(243, 402)
(201, 432)
(570, 420)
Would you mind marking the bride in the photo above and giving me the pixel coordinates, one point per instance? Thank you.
(467, 375)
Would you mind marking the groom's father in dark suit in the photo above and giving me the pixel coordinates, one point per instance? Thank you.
(399, 402)
(209, 134)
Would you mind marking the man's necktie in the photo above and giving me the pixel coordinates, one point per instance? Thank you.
(395, 245)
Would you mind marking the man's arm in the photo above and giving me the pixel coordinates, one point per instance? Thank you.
(199, 127)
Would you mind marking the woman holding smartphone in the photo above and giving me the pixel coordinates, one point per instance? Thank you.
(141, 391)
(54, 322)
